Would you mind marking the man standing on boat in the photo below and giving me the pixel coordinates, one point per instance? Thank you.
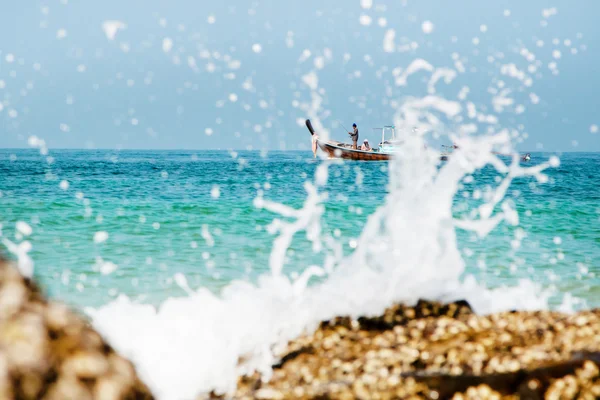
(354, 136)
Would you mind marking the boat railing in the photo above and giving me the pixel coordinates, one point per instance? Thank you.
(388, 131)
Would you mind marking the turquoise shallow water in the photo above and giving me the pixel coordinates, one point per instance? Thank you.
(156, 205)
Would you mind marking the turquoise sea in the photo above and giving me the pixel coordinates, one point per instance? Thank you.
(169, 212)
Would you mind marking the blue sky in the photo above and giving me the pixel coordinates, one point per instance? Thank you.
(63, 80)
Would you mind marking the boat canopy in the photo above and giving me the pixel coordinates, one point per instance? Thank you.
(388, 133)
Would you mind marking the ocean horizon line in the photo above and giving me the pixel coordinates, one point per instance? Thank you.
(243, 150)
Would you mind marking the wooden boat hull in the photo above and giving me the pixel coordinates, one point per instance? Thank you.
(336, 151)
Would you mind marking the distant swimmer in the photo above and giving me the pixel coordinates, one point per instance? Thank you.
(354, 136)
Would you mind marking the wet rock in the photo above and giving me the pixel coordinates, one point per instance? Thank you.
(49, 352)
(440, 351)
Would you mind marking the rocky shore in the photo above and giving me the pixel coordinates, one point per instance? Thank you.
(428, 351)
(436, 351)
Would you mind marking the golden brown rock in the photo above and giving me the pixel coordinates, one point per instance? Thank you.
(437, 351)
(49, 352)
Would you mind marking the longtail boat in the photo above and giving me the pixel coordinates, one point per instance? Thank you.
(383, 152)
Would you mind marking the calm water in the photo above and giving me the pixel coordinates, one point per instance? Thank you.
(193, 212)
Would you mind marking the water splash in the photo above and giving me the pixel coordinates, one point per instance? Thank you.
(407, 251)
(244, 329)
(21, 249)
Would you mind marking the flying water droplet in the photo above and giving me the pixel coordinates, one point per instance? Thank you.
(112, 27)
(427, 27)
(100, 237)
(24, 228)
